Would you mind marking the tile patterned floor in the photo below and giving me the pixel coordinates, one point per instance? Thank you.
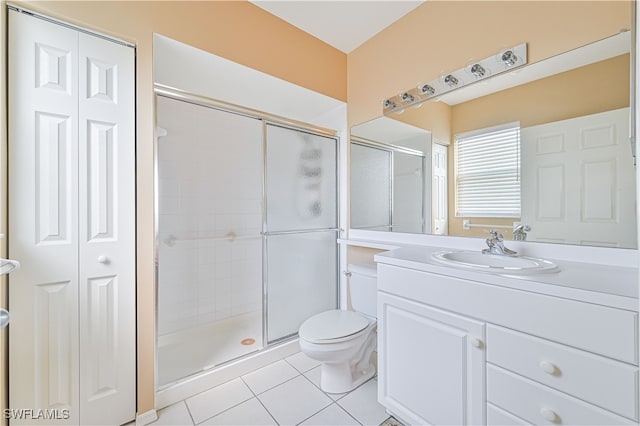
(286, 392)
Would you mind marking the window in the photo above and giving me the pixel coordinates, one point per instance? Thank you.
(488, 172)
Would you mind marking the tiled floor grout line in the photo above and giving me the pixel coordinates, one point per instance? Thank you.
(226, 409)
(294, 367)
(349, 414)
(323, 408)
(256, 396)
(184, 401)
(280, 384)
(260, 402)
(332, 401)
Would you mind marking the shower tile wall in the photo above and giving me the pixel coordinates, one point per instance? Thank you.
(209, 186)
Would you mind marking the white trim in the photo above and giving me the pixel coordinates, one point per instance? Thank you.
(37, 15)
(146, 418)
(482, 131)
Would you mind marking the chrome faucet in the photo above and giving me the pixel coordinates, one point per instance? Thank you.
(496, 245)
(520, 232)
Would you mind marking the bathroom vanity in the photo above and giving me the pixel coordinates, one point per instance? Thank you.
(459, 346)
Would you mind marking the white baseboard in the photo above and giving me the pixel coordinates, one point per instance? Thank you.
(146, 418)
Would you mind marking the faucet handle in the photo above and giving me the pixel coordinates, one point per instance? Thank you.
(496, 235)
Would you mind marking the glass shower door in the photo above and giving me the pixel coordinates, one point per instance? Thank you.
(210, 179)
(301, 228)
(408, 193)
(371, 187)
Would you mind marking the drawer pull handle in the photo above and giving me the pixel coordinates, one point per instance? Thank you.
(476, 343)
(549, 368)
(549, 415)
(103, 259)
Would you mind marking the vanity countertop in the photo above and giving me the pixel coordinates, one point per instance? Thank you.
(614, 286)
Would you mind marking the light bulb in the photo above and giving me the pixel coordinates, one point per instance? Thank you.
(451, 81)
(509, 58)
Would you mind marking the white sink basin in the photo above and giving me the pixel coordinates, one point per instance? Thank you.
(494, 263)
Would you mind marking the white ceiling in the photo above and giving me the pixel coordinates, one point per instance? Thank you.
(344, 24)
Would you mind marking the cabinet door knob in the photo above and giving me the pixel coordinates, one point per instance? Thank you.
(549, 415)
(476, 343)
(548, 367)
(103, 259)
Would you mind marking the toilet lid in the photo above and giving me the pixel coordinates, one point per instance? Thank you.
(332, 325)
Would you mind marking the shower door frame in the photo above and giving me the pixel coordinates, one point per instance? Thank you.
(265, 234)
(165, 91)
(391, 148)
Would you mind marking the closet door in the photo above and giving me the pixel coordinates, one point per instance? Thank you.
(71, 203)
(43, 217)
(107, 230)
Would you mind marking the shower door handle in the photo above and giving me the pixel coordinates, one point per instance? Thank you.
(299, 231)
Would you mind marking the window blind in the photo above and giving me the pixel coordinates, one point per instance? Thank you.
(488, 172)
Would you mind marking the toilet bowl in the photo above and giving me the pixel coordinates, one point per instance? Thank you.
(343, 341)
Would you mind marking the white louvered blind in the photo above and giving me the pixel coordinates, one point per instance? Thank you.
(488, 172)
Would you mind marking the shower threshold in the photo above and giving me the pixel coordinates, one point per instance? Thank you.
(185, 353)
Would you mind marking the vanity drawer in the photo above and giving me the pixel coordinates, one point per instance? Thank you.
(539, 404)
(567, 369)
(496, 416)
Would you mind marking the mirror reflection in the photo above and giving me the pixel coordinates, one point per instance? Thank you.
(541, 154)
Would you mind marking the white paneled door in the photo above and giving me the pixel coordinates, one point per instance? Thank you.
(577, 173)
(72, 225)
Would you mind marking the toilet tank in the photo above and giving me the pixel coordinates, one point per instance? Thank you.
(364, 288)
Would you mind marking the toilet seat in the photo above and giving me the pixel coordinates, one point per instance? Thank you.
(333, 326)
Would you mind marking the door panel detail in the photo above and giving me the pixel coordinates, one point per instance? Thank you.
(102, 328)
(52, 178)
(101, 145)
(53, 68)
(54, 360)
(102, 80)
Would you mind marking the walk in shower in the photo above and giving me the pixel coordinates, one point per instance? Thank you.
(247, 232)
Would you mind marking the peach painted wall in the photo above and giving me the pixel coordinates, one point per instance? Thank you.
(236, 30)
(598, 87)
(441, 36)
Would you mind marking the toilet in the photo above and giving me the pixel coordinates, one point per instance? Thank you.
(344, 340)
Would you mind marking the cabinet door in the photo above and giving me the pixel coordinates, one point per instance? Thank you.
(431, 364)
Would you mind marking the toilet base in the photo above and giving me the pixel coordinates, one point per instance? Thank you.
(342, 378)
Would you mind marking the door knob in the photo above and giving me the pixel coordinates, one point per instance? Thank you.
(103, 259)
(476, 343)
(4, 318)
(549, 368)
(549, 415)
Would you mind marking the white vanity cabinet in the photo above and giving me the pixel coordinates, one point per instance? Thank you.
(467, 349)
(444, 386)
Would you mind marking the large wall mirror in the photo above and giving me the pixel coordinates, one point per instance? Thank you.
(543, 151)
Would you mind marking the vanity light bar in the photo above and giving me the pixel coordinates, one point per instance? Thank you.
(505, 60)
